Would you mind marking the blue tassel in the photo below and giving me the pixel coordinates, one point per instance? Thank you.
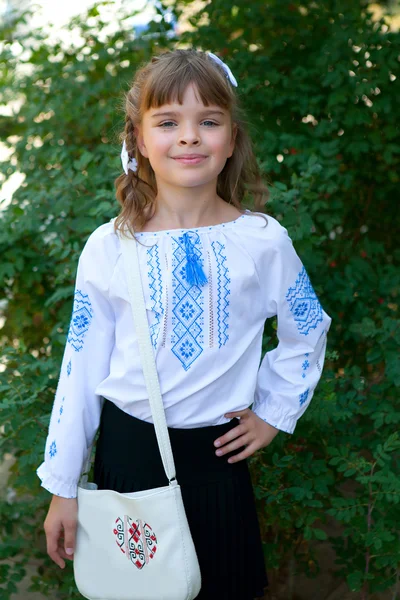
(194, 272)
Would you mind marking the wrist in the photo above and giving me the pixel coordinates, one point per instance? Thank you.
(61, 499)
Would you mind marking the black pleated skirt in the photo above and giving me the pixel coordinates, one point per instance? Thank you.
(218, 496)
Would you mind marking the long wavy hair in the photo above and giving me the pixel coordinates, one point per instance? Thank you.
(164, 80)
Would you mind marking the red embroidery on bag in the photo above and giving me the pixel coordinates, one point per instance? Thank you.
(136, 540)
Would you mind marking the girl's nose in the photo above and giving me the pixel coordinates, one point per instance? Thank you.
(189, 134)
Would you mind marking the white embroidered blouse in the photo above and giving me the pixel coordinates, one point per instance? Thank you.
(207, 337)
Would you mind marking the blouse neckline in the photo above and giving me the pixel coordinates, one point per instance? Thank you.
(226, 225)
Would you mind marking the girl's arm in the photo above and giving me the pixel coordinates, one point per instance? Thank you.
(76, 410)
(289, 374)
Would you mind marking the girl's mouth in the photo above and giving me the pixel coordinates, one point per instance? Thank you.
(191, 161)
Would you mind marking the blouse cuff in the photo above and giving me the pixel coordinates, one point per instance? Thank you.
(54, 485)
(282, 422)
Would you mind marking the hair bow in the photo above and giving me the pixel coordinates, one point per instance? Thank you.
(127, 163)
(225, 67)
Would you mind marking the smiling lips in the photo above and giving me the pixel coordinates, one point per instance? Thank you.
(190, 156)
(190, 159)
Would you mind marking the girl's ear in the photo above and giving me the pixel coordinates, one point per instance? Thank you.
(139, 141)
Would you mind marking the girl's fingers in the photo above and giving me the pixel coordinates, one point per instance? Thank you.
(251, 448)
(52, 536)
(69, 535)
(230, 435)
(58, 555)
(237, 443)
(238, 413)
(53, 552)
(62, 553)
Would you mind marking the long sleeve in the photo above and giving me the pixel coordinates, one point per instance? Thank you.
(76, 410)
(289, 374)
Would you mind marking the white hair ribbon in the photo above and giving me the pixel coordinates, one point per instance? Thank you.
(225, 67)
(127, 163)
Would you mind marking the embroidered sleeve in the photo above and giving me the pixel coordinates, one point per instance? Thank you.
(289, 373)
(76, 409)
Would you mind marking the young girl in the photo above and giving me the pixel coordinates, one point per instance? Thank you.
(212, 274)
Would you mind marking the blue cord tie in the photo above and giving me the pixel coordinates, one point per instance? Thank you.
(194, 272)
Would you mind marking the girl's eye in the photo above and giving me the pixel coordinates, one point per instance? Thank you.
(167, 122)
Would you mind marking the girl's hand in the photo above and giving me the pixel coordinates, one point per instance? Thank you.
(60, 528)
(252, 432)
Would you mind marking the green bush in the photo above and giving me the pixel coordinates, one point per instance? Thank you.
(319, 84)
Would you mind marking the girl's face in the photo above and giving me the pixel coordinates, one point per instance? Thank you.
(192, 129)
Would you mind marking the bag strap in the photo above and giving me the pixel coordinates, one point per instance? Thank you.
(132, 270)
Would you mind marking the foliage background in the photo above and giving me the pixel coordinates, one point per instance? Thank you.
(318, 80)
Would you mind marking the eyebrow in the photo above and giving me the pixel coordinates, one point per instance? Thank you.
(174, 114)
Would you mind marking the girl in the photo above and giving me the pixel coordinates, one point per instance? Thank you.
(213, 272)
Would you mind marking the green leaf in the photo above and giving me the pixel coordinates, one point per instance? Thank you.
(355, 581)
(319, 534)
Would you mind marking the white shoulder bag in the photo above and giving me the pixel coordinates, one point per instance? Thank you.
(137, 545)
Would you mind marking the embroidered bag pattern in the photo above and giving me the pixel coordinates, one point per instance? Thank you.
(304, 304)
(82, 315)
(136, 540)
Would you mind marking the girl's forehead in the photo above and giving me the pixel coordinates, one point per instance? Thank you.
(186, 100)
(177, 109)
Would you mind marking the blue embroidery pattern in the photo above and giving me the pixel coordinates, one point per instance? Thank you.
(69, 368)
(223, 281)
(61, 409)
(194, 272)
(304, 304)
(187, 303)
(80, 322)
(303, 397)
(153, 263)
(53, 449)
(305, 365)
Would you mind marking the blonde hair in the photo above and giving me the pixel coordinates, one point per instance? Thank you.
(164, 80)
